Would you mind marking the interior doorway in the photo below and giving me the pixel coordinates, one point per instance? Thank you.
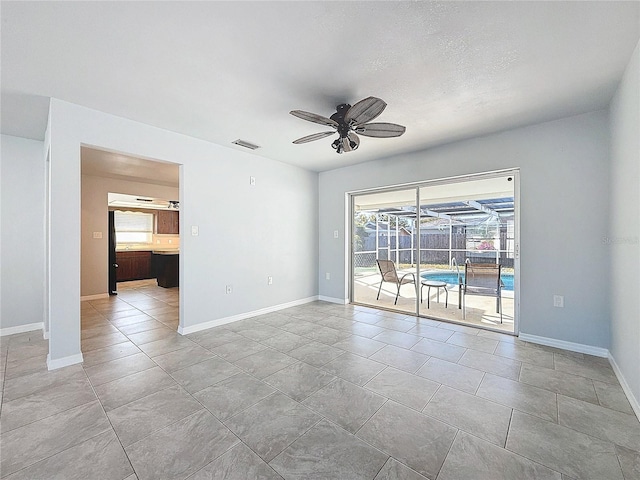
(445, 249)
(130, 237)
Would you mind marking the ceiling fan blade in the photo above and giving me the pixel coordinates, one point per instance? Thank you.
(346, 147)
(354, 139)
(315, 136)
(380, 130)
(312, 117)
(365, 110)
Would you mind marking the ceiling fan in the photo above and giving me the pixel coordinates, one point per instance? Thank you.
(348, 121)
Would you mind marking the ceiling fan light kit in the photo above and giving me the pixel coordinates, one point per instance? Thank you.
(350, 120)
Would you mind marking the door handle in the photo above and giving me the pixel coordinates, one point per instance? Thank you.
(115, 265)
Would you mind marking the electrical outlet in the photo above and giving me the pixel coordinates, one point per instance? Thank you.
(252, 181)
(269, 280)
(170, 241)
(336, 234)
(195, 231)
(97, 234)
(558, 301)
(327, 276)
(228, 289)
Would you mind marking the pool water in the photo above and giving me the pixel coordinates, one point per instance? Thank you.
(452, 278)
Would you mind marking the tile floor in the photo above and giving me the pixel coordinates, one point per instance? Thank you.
(319, 391)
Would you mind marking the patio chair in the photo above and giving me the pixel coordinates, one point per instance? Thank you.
(389, 274)
(482, 279)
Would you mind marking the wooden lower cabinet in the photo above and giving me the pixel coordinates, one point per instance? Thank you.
(133, 266)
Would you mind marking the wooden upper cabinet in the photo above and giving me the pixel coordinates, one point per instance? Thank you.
(168, 222)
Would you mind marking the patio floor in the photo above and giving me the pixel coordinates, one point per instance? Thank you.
(481, 311)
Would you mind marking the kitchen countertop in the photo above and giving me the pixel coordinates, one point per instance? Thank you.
(166, 252)
(148, 249)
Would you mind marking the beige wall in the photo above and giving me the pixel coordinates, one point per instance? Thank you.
(94, 259)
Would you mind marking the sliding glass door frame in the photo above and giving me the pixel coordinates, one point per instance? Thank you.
(512, 172)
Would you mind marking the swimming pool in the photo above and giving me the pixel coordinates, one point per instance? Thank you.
(452, 278)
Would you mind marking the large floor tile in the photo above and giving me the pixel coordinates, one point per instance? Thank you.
(364, 329)
(528, 399)
(616, 427)
(354, 368)
(46, 402)
(402, 387)
(260, 332)
(559, 382)
(474, 415)
(141, 327)
(100, 458)
(183, 358)
(399, 339)
(102, 341)
(400, 358)
(272, 424)
(299, 380)
(525, 354)
(127, 389)
(31, 443)
(590, 367)
(24, 385)
(204, 374)
(239, 463)
(397, 324)
(476, 459)
(447, 373)
(629, 462)
(286, 341)
(25, 366)
(315, 353)
(443, 351)
(110, 371)
(214, 337)
(394, 470)
(344, 403)
(265, 362)
(152, 335)
(434, 333)
(140, 418)
(182, 448)
(359, 345)
(613, 397)
(230, 396)
(486, 362)
(326, 452)
(474, 342)
(166, 345)
(562, 449)
(238, 349)
(106, 354)
(416, 440)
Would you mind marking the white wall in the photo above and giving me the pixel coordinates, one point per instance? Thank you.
(624, 236)
(95, 251)
(246, 232)
(22, 178)
(564, 210)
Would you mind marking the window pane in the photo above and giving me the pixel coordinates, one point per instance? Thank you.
(133, 227)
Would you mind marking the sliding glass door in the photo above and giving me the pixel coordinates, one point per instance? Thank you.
(411, 247)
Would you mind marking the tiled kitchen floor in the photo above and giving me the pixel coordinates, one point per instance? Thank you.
(319, 391)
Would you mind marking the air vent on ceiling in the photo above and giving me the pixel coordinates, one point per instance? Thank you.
(245, 144)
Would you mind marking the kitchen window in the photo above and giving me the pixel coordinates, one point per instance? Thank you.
(133, 227)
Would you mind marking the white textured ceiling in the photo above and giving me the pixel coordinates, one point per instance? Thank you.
(227, 70)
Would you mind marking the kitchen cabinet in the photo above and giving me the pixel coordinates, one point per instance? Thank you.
(165, 266)
(167, 222)
(133, 265)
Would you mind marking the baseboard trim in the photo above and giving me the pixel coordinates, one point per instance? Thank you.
(339, 301)
(635, 404)
(63, 362)
(241, 316)
(573, 347)
(29, 327)
(97, 296)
